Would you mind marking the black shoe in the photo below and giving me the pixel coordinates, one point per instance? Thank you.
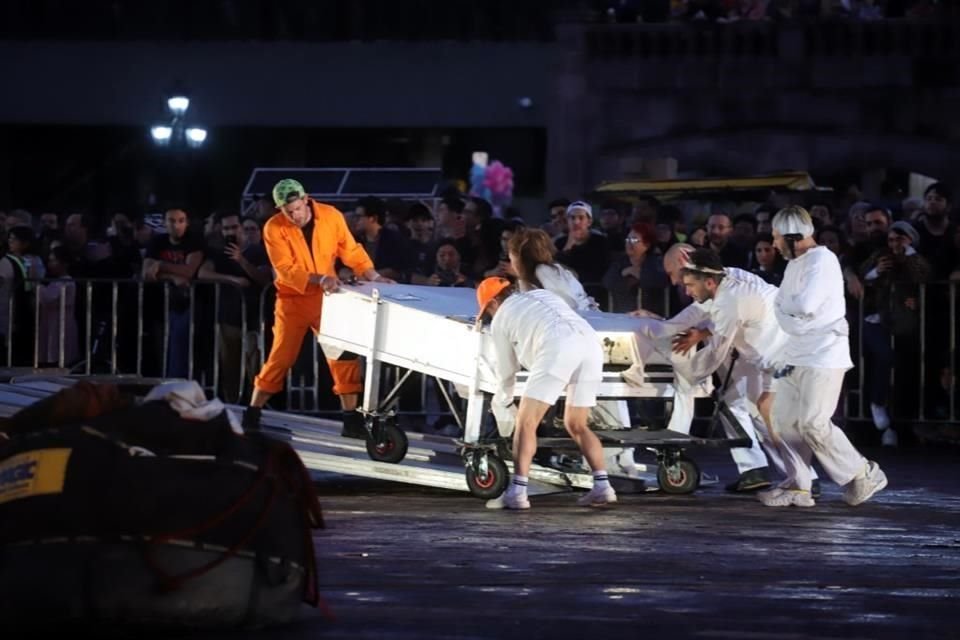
(752, 480)
(353, 425)
(815, 488)
(251, 419)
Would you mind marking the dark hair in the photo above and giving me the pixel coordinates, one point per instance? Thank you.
(218, 216)
(763, 237)
(766, 207)
(513, 225)
(61, 254)
(484, 210)
(455, 204)
(418, 211)
(746, 217)
(704, 259)
(373, 207)
(876, 207)
(24, 234)
(669, 214)
(534, 247)
(259, 224)
(940, 188)
(559, 202)
(447, 242)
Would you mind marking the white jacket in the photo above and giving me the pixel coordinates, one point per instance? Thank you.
(811, 309)
(527, 330)
(743, 317)
(562, 281)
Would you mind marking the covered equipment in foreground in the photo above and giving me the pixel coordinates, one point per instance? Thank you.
(117, 513)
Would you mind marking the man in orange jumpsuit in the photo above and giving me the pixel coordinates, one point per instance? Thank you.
(304, 239)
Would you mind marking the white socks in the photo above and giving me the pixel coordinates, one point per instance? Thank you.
(600, 480)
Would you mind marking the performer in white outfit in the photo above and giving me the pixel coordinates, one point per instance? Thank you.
(810, 308)
(531, 257)
(538, 331)
(696, 323)
(742, 318)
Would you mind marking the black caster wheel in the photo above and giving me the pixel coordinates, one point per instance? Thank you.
(681, 477)
(490, 483)
(387, 443)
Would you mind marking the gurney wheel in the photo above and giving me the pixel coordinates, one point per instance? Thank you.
(492, 483)
(389, 446)
(681, 477)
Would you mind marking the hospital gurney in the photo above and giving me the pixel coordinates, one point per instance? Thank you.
(432, 330)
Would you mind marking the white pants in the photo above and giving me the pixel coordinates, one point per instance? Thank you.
(804, 403)
(576, 365)
(747, 383)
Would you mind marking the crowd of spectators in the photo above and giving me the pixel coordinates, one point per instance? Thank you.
(630, 11)
(888, 250)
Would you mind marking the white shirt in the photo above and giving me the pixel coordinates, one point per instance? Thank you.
(525, 330)
(561, 281)
(743, 318)
(810, 308)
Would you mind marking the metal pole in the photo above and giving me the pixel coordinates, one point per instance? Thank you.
(113, 328)
(316, 373)
(860, 360)
(953, 349)
(63, 325)
(140, 327)
(36, 325)
(166, 326)
(243, 346)
(216, 337)
(923, 345)
(89, 322)
(190, 332)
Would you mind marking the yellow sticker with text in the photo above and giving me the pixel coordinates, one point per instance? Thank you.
(33, 473)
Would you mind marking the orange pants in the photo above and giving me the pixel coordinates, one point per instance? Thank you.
(294, 316)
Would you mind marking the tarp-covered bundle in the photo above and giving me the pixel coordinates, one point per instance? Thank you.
(113, 512)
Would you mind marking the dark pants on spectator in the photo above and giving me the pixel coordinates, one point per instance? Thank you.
(178, 345)
(881, 358)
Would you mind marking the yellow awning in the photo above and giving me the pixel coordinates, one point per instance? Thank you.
(789, 181)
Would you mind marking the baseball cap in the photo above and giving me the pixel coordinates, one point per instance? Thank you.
(489, 289)
(286, 190)
(583, 206)
(904, 228)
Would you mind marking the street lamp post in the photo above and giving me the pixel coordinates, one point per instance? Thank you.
(176, 132)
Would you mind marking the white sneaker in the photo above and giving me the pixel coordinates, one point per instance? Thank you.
(861, 489)
(508, 500)
(598, 497)
(889, 438)
(881, 419)
(634, 376)
(786, 497)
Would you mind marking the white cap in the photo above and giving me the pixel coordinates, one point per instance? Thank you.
(793, 220)
(581, 205)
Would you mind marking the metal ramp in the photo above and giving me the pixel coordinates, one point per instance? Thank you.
(431, 461)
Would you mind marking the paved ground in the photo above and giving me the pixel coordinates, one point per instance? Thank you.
(401, 562)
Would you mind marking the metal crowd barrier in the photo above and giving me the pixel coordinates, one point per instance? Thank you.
(101, 310)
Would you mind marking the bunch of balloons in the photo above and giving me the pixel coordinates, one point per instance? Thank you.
(493, 182)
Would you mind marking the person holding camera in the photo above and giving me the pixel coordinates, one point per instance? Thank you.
(242, 270)
(448, 270)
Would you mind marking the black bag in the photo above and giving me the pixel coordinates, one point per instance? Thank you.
(207, 530)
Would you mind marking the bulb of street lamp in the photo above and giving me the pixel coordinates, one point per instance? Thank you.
(161, 134)
(178, 105)
(196, 135)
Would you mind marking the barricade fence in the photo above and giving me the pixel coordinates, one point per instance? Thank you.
(219, 334)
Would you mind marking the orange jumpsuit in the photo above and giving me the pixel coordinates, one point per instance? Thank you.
(298, 302)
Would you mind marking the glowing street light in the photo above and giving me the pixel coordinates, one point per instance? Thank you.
(178, 105)
(176, 132)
